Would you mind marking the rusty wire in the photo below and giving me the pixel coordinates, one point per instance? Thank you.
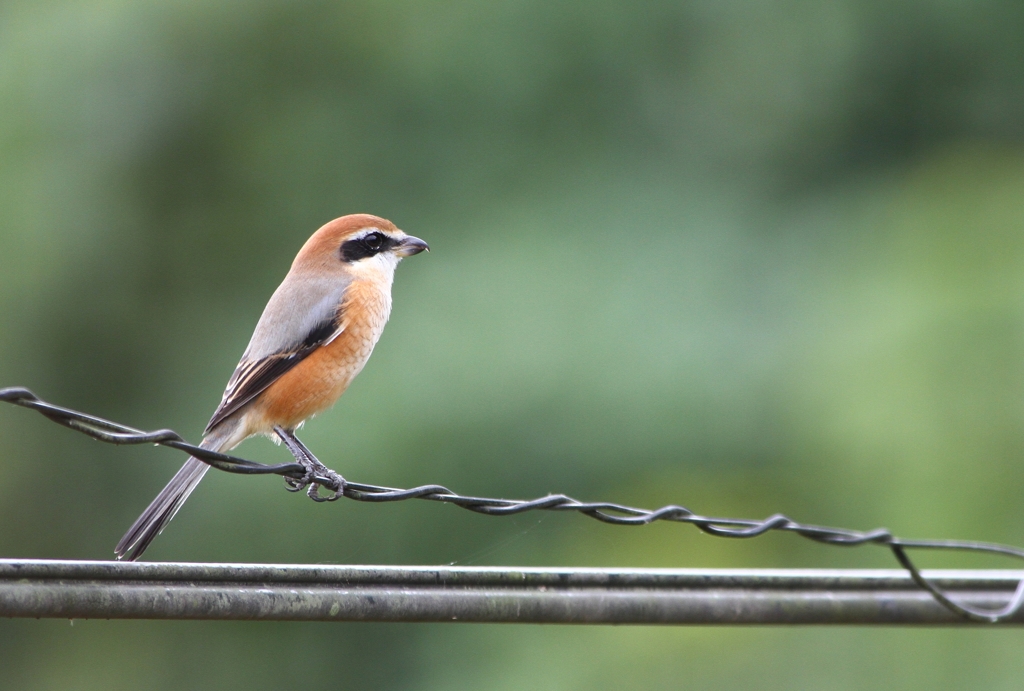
(607, 512)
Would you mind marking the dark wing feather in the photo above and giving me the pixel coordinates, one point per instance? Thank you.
(252, 377)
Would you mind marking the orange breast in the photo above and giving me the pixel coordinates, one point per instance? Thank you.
(316, 383)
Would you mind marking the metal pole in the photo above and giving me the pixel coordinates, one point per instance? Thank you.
(131, 590)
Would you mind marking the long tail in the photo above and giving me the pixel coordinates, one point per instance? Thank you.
(162, 509)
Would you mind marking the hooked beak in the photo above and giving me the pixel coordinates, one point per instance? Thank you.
(411, 245)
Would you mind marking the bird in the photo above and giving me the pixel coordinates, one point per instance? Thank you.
(315, 335)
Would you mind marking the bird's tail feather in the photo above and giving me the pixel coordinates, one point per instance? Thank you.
(166, 504)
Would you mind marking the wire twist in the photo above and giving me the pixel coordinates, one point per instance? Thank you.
(606, 512)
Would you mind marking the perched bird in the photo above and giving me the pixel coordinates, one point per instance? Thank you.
(314, 337)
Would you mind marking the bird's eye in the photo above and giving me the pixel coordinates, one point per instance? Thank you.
(373, 241)
(365, 246)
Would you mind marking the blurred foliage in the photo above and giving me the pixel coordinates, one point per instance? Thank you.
(745, 257)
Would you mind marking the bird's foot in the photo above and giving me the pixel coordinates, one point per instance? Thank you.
(316, 475)
(329, 479)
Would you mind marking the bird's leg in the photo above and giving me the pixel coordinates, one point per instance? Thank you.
(291, 442)
(314, 468)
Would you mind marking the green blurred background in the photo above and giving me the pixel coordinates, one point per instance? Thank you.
(745, 257)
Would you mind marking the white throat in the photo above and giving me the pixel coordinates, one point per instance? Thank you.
(379, 267)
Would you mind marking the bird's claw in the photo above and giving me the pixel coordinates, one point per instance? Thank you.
(296, 485)
(334, 482)
(317, 474)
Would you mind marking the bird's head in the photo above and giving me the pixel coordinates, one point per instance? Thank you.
(358, 243)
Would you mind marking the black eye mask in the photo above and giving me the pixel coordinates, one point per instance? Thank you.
(366, 246)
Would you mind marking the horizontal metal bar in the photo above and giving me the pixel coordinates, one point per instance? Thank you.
(606, 512)
(131, 590)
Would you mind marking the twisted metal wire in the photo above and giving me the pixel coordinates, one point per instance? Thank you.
(607, 512)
